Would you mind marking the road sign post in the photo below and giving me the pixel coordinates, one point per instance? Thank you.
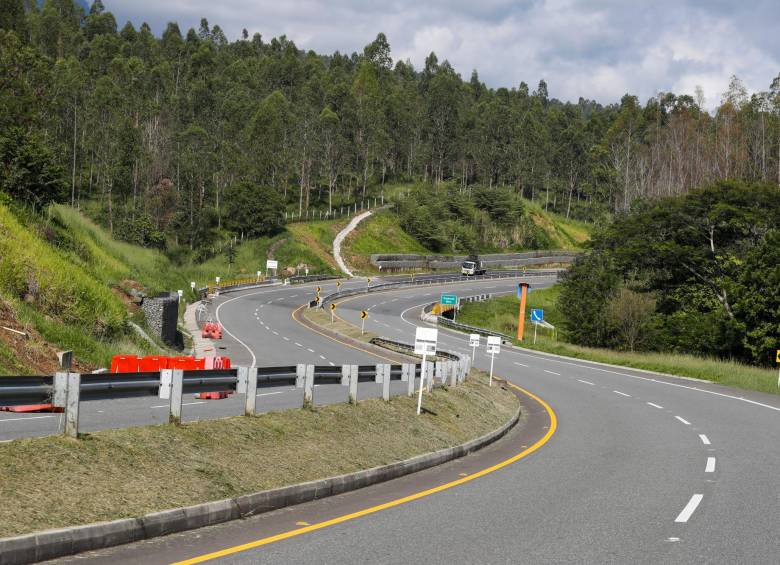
(778, 371)
(537, 317)
(424, 344)
(363, 316)
(493, 347)
(332, 311)
(474, 343)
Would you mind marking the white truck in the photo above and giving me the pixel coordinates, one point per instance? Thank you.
(472, 267)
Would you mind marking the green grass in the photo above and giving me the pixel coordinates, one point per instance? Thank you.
(562, 233)
(55, 482)
(500, 314)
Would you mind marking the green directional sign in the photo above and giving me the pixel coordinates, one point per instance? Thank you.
(449, 300)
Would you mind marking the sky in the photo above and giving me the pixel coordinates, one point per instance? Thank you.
(596, 49)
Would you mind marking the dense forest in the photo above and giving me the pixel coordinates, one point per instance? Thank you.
(153, 134)
(697, 273)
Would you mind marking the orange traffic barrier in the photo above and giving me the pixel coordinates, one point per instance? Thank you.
(31, 408)
(124, 364)
(152, 364)
(213, 395)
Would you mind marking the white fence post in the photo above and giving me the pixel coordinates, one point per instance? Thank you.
(177, 384)
(429, 369)
(440, 371)
(386, 369)
(72, 405)
(454, 370)
(378, 374)
(353, 384)
(300, 375)
(251, 392)
(411, 372)
(308, 387)
(345, 375)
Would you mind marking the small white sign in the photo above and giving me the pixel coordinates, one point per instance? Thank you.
(180, 293)
(271, 264)
(192, 285)
(425, 341)
(217, 279)
(258, 274)
(494, 344)
(474, 340)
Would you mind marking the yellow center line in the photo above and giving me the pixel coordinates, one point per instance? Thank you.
(392, 503)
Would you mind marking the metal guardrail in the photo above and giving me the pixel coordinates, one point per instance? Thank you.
(470, 329)
(408, 349)
(422, 280)
(302, 279)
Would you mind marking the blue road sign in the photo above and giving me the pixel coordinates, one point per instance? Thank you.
(537, 315)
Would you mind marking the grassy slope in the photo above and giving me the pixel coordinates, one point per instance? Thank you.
(562, 233)
(122, 473)
(500, 314)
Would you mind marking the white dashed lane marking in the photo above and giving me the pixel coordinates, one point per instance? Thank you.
(710, 468)
(621, 393)
(689, 509)
(704, 439)
(552, 372)
(683, 420)
(586, 382)
(655, 405)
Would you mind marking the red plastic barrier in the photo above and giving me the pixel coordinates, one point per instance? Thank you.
(213, 395)
(124, 364)
(31, 408)
(152, 363)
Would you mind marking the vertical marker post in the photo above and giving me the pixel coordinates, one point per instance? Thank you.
(521, 313)
(492, 357)
(422, 384)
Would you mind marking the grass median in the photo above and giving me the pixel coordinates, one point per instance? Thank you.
(55, 482)
(500, 314)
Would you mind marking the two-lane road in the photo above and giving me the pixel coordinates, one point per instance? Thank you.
(642, 468)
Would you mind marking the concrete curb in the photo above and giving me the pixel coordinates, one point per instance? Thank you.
(51, 544)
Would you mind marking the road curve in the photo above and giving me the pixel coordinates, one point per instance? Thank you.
(642, 468)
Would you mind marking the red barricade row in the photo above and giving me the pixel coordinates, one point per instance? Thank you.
(154, 363)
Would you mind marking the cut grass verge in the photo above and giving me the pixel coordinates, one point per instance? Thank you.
(55, 482)
(500, 314)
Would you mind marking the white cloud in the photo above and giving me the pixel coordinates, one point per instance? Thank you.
(598, 49)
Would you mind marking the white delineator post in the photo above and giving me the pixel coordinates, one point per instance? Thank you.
(422, 384)
(493, 347)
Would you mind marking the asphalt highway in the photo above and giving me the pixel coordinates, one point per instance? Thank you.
(642, 468)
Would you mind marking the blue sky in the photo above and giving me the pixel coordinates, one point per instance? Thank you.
(598, 49)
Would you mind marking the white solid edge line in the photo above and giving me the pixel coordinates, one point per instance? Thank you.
(689, 509)
(710, 468)
(704, 439)
(683, 420)
(27, 418)
(655, 405)
(586, 382)
(621, 393)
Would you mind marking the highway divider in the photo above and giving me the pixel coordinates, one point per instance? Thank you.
(67, 390)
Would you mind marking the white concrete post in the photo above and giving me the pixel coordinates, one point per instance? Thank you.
(411, 373)
(429, 369)
(60, 396)
(165, 383)
(345, 375)
(241, 374)
(378, 374)
(353, 384)
(177, 385)
(440, 371)
(72, 405)
(453, 374)
(251, 392)
(386, 382)
(308, 387)
(300, 375)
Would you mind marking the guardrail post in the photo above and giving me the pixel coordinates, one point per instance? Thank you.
(60, 395)
(177, 384)
(241, 375)
(353, 384)
(300, 375)
(404, 372)
(378, 374)
(429, 369)
(72, 405)
(453, 374)
(386, 369)
(440, 371)
(345, 375)
(411, 372)
(251, 391)
(308, 387)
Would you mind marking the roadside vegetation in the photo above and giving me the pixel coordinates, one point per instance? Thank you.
(500, 314)
(224, 458)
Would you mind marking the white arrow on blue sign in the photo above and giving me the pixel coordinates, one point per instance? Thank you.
(537, 315)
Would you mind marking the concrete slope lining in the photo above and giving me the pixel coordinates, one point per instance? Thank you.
(340, 238)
